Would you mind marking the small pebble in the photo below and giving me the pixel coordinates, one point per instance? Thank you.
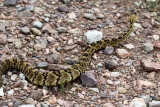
(89, 16)
(10, 92)
(156, 37)
(148, 47)
(37, 24)
(42, 64)
(63, 8)
(62, 29)
(25, 30)
(129, 46)
(14, 77)
(110, 64)
(122, 53)
(94, 89)
(109, 50)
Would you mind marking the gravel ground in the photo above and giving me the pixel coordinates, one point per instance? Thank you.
(50, 34)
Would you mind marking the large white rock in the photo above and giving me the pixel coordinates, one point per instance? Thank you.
(93, 35)
(138, 102)
(27, 105)
(1, 92)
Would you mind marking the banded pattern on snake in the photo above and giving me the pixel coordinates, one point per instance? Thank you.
(62, 76)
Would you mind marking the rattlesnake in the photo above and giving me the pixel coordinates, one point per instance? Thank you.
(62, 76)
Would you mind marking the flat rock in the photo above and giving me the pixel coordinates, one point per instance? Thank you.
(145, 83)
(88, 79)
(122, 53)
(89, 16)
(42, 64)
(129, 46)
(63, 8)
(25, 30)
(148, 65)
(10, 2)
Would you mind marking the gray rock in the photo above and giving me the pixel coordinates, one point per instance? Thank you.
(30, 101)
(18, 43)
(54, 90)
(62, 29)
(17, 103)
(54, 58)
(10, 2)
(42, 64)
(37, 24)
(4, 24)
(88, 79)
(41, 43)
(25, 30)
(154, 104)
(102, 25)
(79, 0)
(36, 94)
(3, 104)
(148, 47)
(70, 61)
(24, 13)
(63, 8)
(46, 19)
(89, 16)
(109, 64)
(66, 1)
(30, 8)
(3, 39)
(109, 50)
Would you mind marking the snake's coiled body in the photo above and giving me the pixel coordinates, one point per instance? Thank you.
(59, 77)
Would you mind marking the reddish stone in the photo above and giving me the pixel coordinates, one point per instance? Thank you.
(148, 65)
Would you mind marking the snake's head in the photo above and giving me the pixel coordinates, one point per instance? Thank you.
(132, 18)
